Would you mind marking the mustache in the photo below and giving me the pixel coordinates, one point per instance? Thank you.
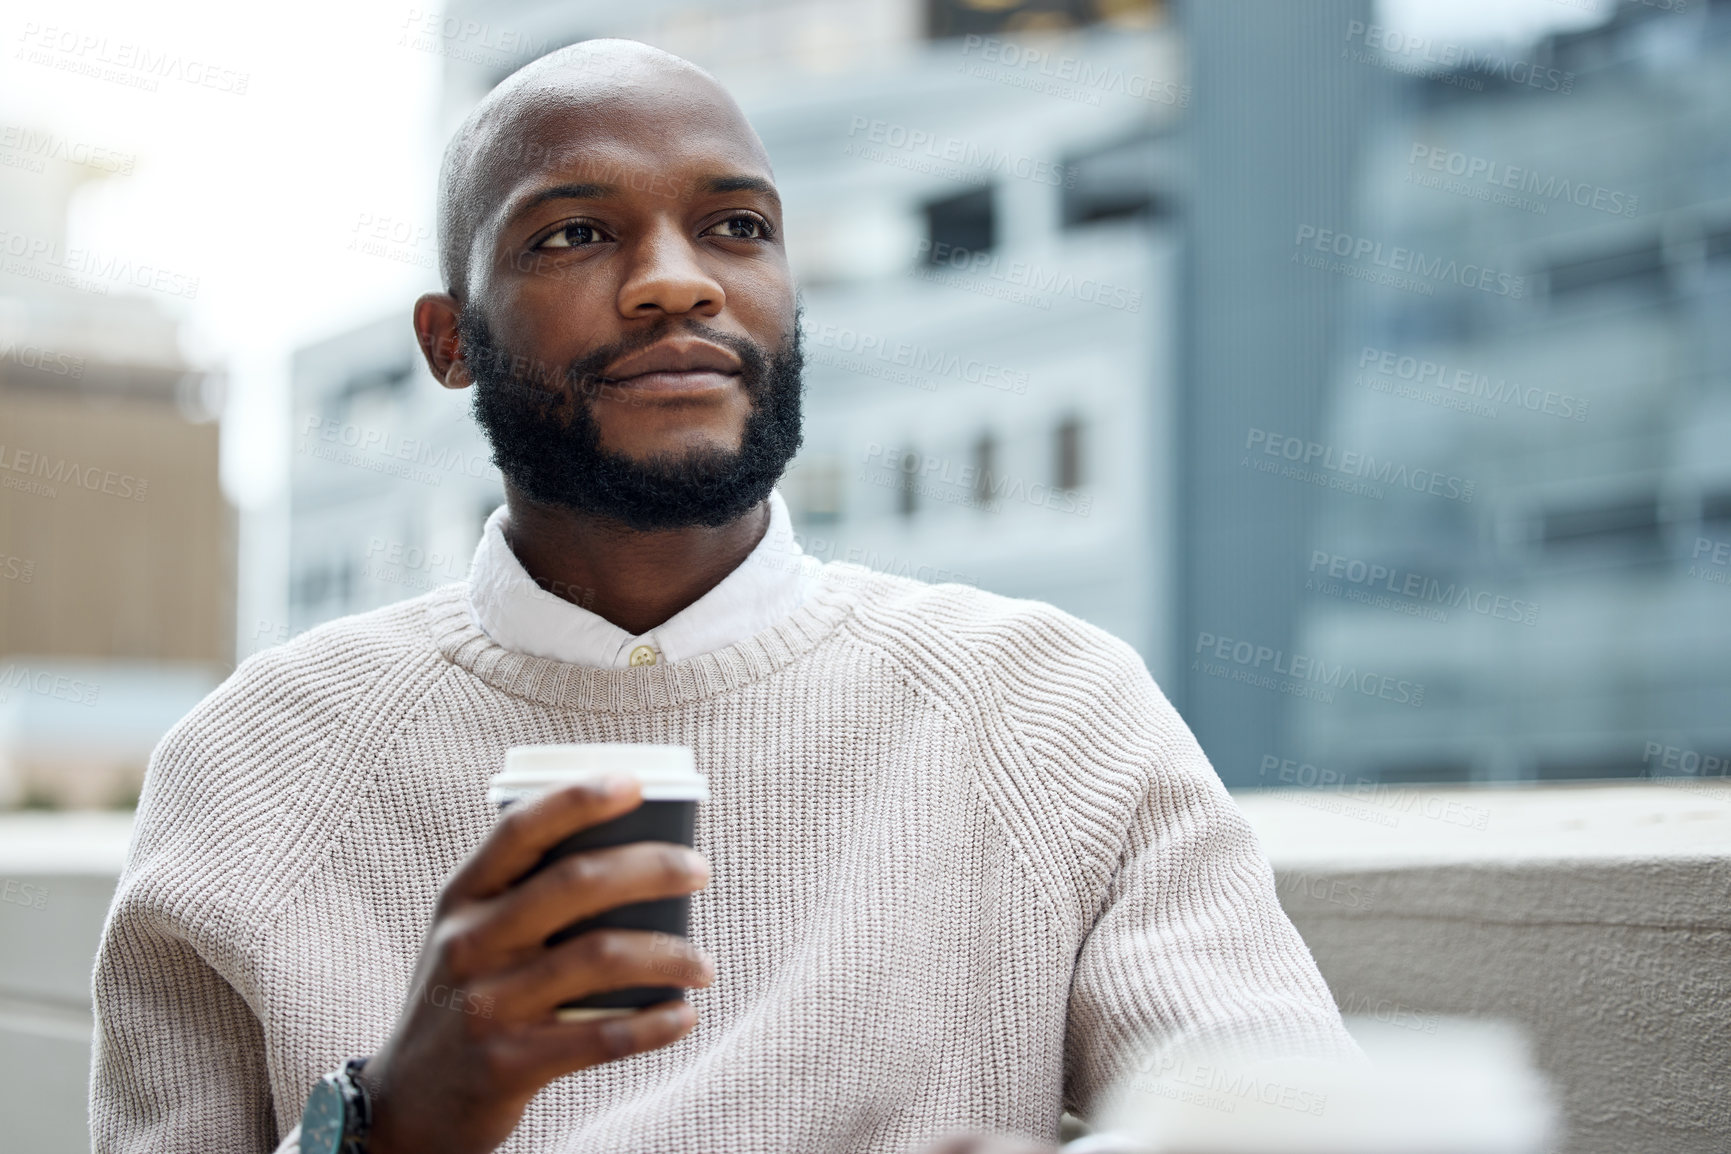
(559, 388)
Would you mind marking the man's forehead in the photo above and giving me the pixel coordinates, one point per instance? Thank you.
(613, 134)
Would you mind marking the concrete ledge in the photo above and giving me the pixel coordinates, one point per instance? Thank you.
(57, 878)
(1597, 917)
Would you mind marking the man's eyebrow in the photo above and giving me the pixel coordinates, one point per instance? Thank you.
(566, 192)
(596, 191)
(740, 184)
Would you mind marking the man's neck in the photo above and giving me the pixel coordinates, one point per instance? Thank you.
(636, 580)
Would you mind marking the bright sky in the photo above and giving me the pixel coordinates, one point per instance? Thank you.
(258, 194)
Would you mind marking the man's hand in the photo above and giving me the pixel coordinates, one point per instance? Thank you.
(477, 1037)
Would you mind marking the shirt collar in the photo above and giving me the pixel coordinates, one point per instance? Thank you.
(517, 613)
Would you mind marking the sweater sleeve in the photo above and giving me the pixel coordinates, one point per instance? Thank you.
(178, 1058)
(1184, 944)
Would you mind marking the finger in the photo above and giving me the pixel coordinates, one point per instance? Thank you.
(592, 963)
(528, 829)
(581, 885)
(561, 1048)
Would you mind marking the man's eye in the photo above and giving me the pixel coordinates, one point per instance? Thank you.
(741, 228)
(573, 236)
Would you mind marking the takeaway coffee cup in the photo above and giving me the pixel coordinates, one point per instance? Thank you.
(672, 787)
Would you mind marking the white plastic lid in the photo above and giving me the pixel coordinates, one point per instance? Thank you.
(666, 772)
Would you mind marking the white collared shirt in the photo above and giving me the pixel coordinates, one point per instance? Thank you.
(510, 608)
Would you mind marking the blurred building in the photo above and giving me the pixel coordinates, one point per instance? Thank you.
(116, 545)
(1273, 146)
(390, 479)
(1568, 616)
(988, 271)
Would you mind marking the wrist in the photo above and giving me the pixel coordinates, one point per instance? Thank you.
(338, 1115)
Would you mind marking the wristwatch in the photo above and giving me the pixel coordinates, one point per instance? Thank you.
(338, 1113)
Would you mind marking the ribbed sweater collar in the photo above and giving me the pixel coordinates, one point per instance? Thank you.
(645, 687)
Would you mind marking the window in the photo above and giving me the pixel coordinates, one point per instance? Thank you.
(1120, 182)
(1067, 445)
(817, 490)
(966, 223)
(1628, 524)
(907, 496)
(1640, 268)
(985, 470)
(989, 17)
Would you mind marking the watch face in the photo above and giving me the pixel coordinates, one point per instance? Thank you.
(322, 1123)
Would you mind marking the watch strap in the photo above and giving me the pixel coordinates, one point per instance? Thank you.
(358, 1116)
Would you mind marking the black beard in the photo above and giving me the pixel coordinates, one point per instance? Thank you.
(546, 442)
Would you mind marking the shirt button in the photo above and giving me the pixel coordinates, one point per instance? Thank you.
(643, 655)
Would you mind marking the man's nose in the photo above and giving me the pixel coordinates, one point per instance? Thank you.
(667, 276)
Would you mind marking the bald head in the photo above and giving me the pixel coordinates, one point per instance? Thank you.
(554, 112)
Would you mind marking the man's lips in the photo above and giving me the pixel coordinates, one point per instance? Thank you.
(673, 381)
(675, 366)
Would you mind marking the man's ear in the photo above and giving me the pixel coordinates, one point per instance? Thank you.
(436, 329)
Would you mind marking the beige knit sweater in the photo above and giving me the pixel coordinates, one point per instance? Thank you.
(968, 865)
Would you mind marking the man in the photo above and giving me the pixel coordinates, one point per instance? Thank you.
(963, 866)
